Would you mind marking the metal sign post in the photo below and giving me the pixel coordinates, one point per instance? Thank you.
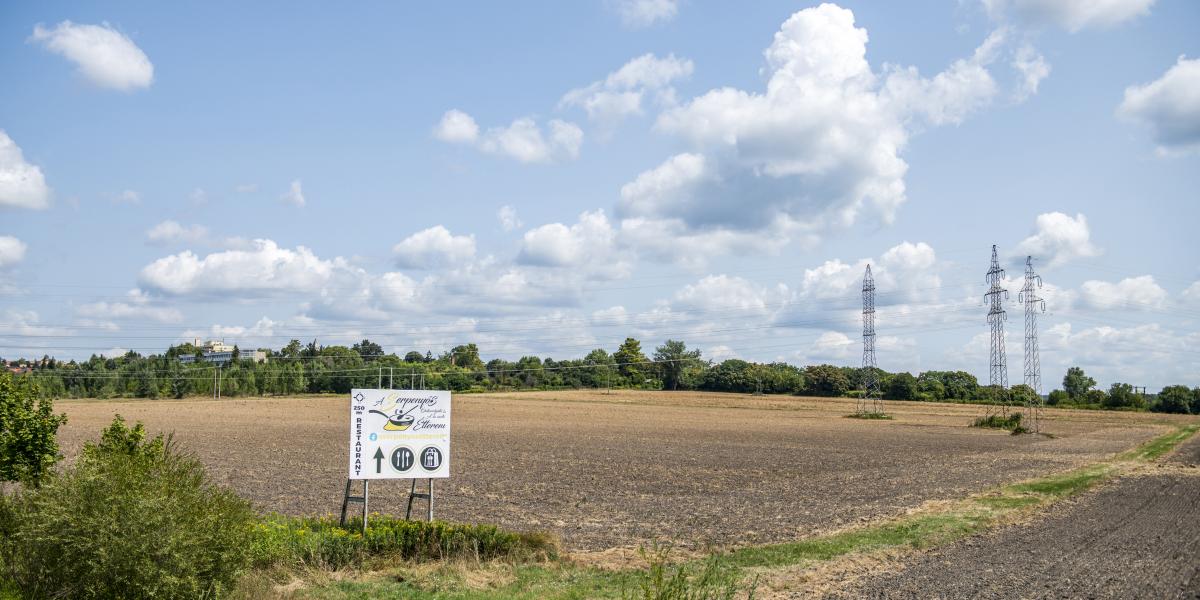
(398, 434)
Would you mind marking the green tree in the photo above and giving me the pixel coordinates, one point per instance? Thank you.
(28, 431)
(674, 359)
(414, 357)
(1022, 395)
(825, 380)
(1077, 383)
(631, 363)
(903, 386)
(1057, 397)
(1121, 395)
(1174, 399)
(465, 356)
(368, 350)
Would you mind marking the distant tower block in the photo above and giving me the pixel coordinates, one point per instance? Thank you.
(871, 400)
(996, 296)
(1033, 363)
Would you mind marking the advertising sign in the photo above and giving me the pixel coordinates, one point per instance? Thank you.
(399, 434)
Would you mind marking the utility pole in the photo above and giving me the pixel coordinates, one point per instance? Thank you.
(1033, 362)
(996, 295)
(870, 402)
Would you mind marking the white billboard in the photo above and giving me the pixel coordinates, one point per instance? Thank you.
(399, 434)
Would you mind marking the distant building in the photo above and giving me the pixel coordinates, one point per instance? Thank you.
(217, 351)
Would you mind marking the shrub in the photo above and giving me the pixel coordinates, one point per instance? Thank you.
(1012, 422)
(710, 581)
(133, 518)
(1173, 399)
(320, 542)
(28, 446)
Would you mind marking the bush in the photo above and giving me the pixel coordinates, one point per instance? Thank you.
(1012, 422)
(1173, 399)
(28, 430)
(320, 542)
(131, 519)
(712, 580)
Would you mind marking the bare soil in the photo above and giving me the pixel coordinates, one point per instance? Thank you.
(1138, 537)
(604, 471)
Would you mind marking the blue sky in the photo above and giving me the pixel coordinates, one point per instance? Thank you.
(551, 177)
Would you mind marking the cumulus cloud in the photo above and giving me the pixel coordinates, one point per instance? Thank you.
(819, 148)
(644, 13)
(171, 232)
(1192, 293)
(12, 251)
(1058, 239)
(103, 55)
(1072, 15)
(1169, 105)
(523, 140)
(457, 127)
(589, 245)
(137, 305)
(21, 184)
(262, 269)
(508, 218)
(433, 248)
(1133, 293)
(295, 194)
(621, 93)
(128, 197)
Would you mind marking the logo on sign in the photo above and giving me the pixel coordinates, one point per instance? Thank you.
(431, 458)
(402, 459)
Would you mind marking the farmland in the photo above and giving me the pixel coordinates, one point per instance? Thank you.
(617, 471)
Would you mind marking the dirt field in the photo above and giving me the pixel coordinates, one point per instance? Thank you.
(1138, 537)
(605, 471)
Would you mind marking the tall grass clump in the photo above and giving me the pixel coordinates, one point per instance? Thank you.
(1012, 423)
(132, 518)
(710, 580)
(321, 543)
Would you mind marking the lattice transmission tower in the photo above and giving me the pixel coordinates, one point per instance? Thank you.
(871, 400)
(996, 295)
(1033, 363)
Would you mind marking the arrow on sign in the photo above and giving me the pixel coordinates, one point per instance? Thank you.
(378, 460)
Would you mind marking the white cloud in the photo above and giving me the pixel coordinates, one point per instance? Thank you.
(129, 197)
(643, 13)
(1132, 293)
(457, 127)
(1192, 293)
(263, 269)
(819, 148)
(171, 232)
(611, 316)
(434, 248)
(21, 184)
(246, 188)
(723, 293)
(508, 218)
(1058, 239)
(1072, 15)
(523, 140)
(1170, 106)
(103, 55)
(136, 306)
(12, 251)
(198, 197)
(1032, 67)
(295, 194)
(589, 245)
(620, 94)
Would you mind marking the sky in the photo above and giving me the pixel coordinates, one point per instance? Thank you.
(546, 178)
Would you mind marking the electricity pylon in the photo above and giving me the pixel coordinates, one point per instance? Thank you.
(871, 401)
(1033, 363)
(996, 295)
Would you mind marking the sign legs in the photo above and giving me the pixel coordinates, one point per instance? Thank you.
(413, 494)
(347, 499)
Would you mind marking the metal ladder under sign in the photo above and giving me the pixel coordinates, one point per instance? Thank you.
(413, 494)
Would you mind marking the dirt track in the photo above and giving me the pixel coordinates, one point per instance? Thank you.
(1138, 537)
(620, 470)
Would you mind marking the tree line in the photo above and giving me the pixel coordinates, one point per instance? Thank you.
(313, 368)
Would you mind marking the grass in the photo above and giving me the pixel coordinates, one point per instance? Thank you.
(740, 568)
(870, 416)
(1012, 423)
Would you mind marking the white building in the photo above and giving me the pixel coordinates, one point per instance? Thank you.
(217, 351)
